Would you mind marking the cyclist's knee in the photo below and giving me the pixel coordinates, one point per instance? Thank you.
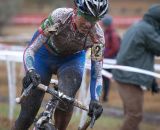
(70, 81)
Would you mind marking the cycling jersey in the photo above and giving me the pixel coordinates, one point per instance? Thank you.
(60, 36)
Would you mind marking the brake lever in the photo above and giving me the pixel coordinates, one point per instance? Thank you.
(24, 94)
(27, 90)
(93, 119)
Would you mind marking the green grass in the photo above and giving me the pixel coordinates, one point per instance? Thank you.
(4, 109)
(104, 123)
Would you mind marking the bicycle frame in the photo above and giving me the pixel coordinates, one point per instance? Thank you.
(46, 116)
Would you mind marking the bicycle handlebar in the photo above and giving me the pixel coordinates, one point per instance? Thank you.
(90, 121)
(52, 92)
(24, 94)
(27, 91)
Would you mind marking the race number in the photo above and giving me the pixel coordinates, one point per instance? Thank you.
(97, 52)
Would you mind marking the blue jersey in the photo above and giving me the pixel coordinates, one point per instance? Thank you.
(58, 34)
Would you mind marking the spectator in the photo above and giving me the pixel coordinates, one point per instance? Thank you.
(112, 43)
(138, 47)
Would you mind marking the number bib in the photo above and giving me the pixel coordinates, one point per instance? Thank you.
(97, 52)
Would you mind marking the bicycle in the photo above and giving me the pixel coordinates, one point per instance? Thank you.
(44, 119)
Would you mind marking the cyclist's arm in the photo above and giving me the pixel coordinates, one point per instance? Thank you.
(96, 67)
(97, 52)
(37, 41)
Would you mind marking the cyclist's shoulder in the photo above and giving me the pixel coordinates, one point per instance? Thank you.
(60, 13)
(97, 30)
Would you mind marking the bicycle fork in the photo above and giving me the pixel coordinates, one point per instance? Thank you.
(46, 116)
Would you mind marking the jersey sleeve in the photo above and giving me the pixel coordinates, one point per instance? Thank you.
(36, 42)
(40, 37)
(46, 29)
(97, 51)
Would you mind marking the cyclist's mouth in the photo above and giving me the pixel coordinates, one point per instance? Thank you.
(84, 30)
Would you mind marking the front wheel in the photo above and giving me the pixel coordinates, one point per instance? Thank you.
(46, 126)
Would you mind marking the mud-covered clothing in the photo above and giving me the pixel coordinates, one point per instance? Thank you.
(57, 47)
(65, 40)
(69, 71)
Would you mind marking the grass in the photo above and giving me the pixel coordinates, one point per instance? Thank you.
(4, 109)
(104, 123)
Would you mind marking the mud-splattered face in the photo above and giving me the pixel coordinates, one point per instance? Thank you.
(84, 22)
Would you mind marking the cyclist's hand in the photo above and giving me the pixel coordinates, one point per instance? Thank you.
(31, 77)
(95, 109)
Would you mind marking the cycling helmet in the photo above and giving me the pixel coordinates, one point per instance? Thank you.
(96, 8)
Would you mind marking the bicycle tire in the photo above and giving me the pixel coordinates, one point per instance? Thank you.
(46, 126)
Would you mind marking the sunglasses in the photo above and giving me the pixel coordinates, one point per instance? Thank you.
(88, 17)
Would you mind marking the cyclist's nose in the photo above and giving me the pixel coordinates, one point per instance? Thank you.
(88, 25)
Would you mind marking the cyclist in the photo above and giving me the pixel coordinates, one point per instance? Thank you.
(58, 47)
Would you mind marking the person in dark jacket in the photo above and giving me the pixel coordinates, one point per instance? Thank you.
(138, 47)
(112, 43)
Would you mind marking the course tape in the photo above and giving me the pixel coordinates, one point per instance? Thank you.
(131, 69)
(17, 56)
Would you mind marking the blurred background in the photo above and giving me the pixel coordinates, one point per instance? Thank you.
(18, 21)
